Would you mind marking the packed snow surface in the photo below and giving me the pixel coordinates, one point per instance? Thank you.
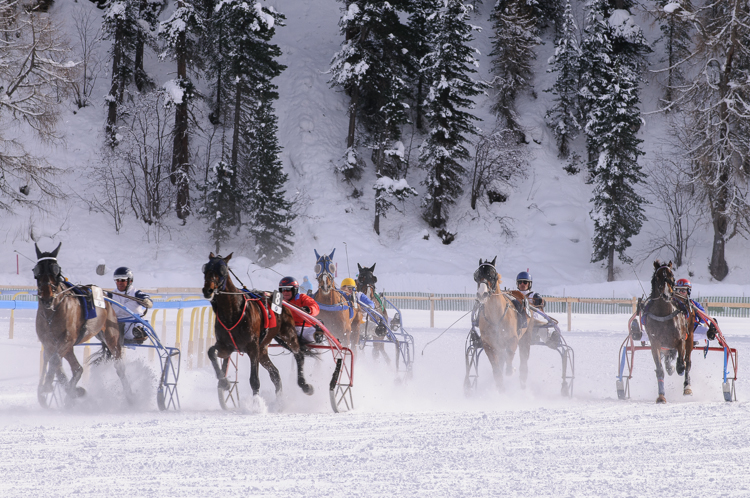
(406, 437)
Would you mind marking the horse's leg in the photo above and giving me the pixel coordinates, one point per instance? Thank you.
(496, 360)
(656, 353)
(510, 353)
(306, 388)
(220, 371)
(273, 372)
(524, 351)
(254, 355)
(72, 388)
(687, 391)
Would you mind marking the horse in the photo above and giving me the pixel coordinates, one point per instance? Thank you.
(335, 310)
(239, 326)
(499, 327)
(366, 281)
(61, 324)
(667, 323)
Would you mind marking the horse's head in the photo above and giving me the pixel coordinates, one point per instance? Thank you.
(215, 275)
(47, 274)
(325, 269)
(662, 282)
(365, 279)
(487, 278)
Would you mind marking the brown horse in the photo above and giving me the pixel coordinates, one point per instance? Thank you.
(667, 325)
(335, 311)
(61, 324)
(366, 281)
(499, 325)
(240, 327)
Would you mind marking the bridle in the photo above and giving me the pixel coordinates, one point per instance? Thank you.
(215, 272)
(668, 282)
(490, 281)
(47, 266)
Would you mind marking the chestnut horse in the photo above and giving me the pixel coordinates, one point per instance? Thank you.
(335, 311)
(667, 323)
(240, 327)
(499, 325)
(61, 324)
(366, 281)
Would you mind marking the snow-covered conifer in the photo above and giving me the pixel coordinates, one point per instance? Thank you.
(448, 68)
(222, 197)
(181, 33)
(611, 61)
(563, 117)
(514, 41)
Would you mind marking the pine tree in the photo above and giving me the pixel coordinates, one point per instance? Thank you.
(513, 52)
(222, 196)
(420, 25)
(563, 117)
(611, 61)
(148, 21)
(264, 182)
(372, 67)
(677, 33)
(121, 26)
(181, 33)
(447, 69)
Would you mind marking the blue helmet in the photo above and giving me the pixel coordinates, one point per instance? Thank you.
(524, 276)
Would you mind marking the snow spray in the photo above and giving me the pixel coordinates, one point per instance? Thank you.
(444, 331)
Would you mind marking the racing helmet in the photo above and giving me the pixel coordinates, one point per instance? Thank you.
(289, 283)
(684, 283)
(524, 276)
(123, 273)
(348, 282)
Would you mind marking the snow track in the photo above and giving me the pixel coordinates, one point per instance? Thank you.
(420, 438)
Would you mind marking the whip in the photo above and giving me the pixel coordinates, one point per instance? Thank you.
(444, 331)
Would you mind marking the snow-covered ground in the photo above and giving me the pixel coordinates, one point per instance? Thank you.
(420, 437)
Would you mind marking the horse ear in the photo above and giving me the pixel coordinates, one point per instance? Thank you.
(373, 267)
(670, 265)
(54, 253)
(493, 261)
(317, 256)
(331, 255)
(226, 260)
(38, 252)
(480, 261)
(656, 264)
(359, 267)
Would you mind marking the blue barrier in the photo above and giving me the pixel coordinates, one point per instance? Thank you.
(158, 305)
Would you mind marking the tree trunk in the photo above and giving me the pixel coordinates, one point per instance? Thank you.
(420, 97)
(718, 266)
(611, 264)
(376, 225)
(115, 90)
(352, 117)
(181, 145)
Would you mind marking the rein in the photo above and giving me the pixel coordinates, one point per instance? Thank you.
(229, 329)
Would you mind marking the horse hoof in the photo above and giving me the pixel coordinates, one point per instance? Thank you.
(224, 384)
(687, 392)
(661, 399)
(307, 389)
(80, 392)
(669, 368)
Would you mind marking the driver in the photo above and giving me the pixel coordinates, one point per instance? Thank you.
(307, 333)
(701, 327)
(134, 300)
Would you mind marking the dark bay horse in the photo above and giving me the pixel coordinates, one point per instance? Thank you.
(335, 311)
(668, 327)
(61, 324)
(240, 327)
(366, 281)
(499, 325)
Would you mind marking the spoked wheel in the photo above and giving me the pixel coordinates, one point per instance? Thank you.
(340, 393)
(229, 399)
(55, 398)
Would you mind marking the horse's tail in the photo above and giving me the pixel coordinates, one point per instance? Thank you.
(104, 354)
(313, 353)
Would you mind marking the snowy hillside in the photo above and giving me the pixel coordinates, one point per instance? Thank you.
(548, 211)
